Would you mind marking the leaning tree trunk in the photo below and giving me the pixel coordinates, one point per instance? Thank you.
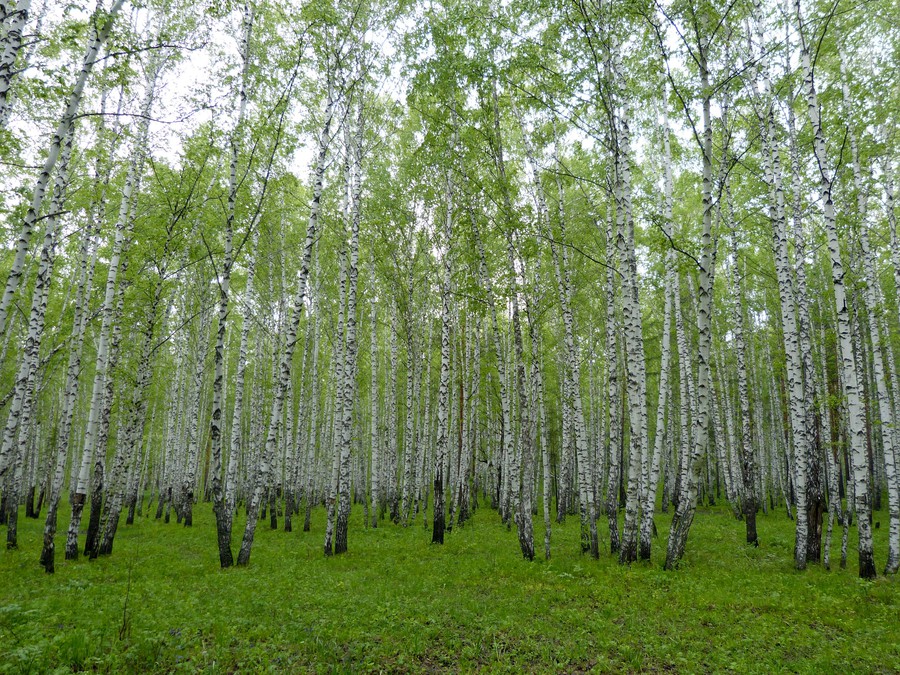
(684, 514)
(134, 426)
(123, 223)
(291, 337)
(100, 31)
(70, 395)
(98, 485)
(11, 44)
(15, 435)
(130, 444)
(23, 390)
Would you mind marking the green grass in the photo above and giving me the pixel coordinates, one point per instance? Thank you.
(396, 603)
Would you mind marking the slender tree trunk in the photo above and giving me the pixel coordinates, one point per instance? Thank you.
(123, 225)
(220, 509)
(70, 395)
(614, 426)
(15, 435)
(443, 411)
(291, 337)
(100, 31)
(684, 514)
(349, 379)
(849, 380)
(13, 23)
(375, 437)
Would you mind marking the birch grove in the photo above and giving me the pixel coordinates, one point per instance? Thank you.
(629, 264)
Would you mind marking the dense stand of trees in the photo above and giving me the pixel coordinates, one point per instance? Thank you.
(571, 258)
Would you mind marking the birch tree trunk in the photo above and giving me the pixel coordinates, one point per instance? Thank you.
(684, 514)
(22, 403)
(506, 448)
(100, 31)
(375, 436)
(790, 334)
(312, 441)
(15, 434)
(523, 481)
(832, 461)
(123, 225)
(70, 395)
(748, 497)
(14, 22)
(614, 426)
(98, 486)
(237, 416)
(350, 356)
(223, 518)
(872, 305)
(847, 364)
(635, 369)
(443, 407)
(291, 337)
(649, 496)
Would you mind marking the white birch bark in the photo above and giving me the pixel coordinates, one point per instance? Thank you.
(443, 407)
(832, 461)
(350, 355)
(791, 339)
(649, 496)
(375, 435)
(70, 395)
(236, 444)
(523, 477)
(23, 389)
(847, 364)
(486, 283)
(223, 518)
(313, 439)
(635, 369)
(13, 24)
(100, 31)
(291, 337)
(123, 224)
(872, 305)
(130, 442)
(684, 514)
(15, 434)
(97, 489)
(614, 426)
(391, 492)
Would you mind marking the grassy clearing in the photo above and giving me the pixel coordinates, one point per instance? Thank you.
(396, 603)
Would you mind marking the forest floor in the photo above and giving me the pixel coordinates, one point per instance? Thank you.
(396, 603)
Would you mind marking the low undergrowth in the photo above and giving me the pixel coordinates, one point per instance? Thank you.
(395, 603)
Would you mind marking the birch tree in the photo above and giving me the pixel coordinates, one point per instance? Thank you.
(101, 24)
